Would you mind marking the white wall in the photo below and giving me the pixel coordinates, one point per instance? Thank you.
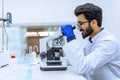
(37, 11)
(46, 11)
(0, 39)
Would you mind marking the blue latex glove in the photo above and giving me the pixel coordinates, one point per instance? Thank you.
(67, 30)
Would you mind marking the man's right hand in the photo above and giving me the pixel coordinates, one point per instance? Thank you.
(67, 30)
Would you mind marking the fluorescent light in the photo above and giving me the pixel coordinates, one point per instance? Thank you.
(39, 33)
(46, 33)
(43, 33)
(31, 34)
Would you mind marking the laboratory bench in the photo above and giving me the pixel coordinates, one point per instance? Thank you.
(25, 71)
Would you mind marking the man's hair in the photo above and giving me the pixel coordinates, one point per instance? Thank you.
(90, 11)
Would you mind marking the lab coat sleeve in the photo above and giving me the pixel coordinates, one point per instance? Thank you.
(102, 54)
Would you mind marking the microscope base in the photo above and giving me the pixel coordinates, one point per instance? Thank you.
(53, 66)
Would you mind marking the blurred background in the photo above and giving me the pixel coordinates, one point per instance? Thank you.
(36, 19)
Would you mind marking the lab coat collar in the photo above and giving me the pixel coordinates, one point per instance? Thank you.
(96, 37)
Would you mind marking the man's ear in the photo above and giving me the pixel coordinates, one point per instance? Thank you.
(94, 22)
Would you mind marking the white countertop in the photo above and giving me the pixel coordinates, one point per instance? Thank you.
(16, 71)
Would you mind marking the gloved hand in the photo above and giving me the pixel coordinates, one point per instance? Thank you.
(67, 30)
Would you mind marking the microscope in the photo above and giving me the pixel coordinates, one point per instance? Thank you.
(53, 58)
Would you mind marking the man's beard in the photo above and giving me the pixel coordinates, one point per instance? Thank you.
(89, 31)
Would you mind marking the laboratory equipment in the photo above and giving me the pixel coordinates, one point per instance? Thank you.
(4, 54)
(52, 56)
(4, 58)
(53, 60)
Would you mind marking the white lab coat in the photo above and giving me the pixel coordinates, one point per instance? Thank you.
(99, 60)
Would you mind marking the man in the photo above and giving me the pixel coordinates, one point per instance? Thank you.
(100, 58)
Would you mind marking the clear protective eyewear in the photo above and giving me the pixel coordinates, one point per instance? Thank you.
(80, 23)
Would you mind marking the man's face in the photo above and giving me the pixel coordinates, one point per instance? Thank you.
(84, 26)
